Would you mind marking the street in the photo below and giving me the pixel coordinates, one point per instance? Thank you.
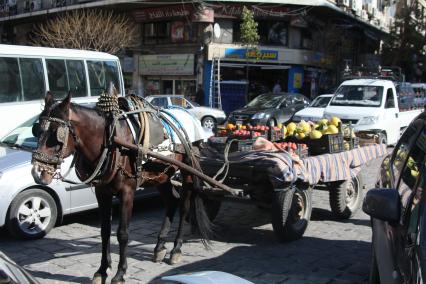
(331, 251)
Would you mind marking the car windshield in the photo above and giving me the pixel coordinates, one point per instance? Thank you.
(364, 96)
(320, 102)
(265, 101)
(22, 136)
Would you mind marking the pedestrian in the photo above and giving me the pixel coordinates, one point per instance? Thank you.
(277, 88)
(199, 96)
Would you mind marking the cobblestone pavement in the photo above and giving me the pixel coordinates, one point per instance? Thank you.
(331, 251)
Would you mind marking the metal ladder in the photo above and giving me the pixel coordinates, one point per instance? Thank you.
(215, 99)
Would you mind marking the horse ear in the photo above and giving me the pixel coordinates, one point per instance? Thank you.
(48, 99)
(66, 102)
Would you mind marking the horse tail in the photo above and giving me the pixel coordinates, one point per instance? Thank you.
(200, 222)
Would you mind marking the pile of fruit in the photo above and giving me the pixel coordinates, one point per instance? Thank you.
(249, 131)
(290, 146)
(313, 130)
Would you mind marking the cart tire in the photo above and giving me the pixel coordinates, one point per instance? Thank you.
(212, 207)
(346, 197)
(291, 211)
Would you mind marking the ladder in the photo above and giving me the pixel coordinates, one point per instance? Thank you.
(215, 99)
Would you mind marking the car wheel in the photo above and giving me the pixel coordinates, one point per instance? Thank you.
(32, 214)
(208, 122)
(346, 197)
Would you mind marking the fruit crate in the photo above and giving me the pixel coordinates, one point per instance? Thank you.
(330, 143)
(219, 143)
(275, 135)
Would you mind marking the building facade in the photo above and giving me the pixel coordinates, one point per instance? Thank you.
(303, 44)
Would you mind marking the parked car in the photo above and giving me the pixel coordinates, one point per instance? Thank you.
(269, 109)
(398, 212)
(315, 110)
(27, 209)
(209, 117)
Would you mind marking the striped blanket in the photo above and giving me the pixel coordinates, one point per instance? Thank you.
(341, 166)
(283, 168)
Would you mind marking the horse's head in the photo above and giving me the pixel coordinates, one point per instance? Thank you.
(55, 139)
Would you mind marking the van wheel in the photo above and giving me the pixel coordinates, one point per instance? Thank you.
(32, 214)
(346, 197)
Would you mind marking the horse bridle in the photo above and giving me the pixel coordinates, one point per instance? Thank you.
(53, 162)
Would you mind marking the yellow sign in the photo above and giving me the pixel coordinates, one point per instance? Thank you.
(297, 81)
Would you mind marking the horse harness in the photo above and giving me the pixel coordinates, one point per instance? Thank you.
(109, 162)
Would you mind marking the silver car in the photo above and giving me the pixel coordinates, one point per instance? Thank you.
(29, 210)
(209, 117)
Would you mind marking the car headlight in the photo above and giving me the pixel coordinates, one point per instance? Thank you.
(368, 120)
(260, 115)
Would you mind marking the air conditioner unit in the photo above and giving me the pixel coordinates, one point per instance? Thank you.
(35, 5)
(354, 5)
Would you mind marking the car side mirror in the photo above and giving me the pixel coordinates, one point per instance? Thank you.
(36, 129)
(383, 204)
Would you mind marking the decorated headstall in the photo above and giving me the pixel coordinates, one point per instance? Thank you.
(53, 162)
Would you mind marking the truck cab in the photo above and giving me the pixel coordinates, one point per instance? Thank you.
(372, 105)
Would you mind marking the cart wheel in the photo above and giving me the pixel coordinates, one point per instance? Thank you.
(212, 207)
(291, 211)
(346, 197)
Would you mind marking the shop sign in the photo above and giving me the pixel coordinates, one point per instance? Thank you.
(236, 10)
(242, 53)
(166, 64)
(163, 13)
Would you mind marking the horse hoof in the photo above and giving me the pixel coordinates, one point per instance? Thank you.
(98, 279)
(175, 258)
(159, 255)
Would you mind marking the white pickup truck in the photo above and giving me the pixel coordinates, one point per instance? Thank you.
(375, 105)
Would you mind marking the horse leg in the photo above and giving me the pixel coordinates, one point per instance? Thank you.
(126, 207)
(176, 253)
(171, 205)
(105, 204)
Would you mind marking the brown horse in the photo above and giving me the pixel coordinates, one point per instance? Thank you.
(67, 128)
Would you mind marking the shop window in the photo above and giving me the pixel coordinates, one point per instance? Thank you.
(185, 88)
(169, 32)
(306, 39)
(274, 33)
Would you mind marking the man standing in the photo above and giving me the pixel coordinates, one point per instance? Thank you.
(199, 96)
(277, 88)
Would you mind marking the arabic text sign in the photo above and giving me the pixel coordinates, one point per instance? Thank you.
(167, 64)
(242, 53)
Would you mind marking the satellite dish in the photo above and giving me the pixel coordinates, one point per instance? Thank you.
(216, 30)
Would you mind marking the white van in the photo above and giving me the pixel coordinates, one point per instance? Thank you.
(27, 73)
(375, 105)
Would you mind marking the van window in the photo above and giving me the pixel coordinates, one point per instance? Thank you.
(56, 74)
(76, 78)
(32, 76)
(390, 102)
(10, 85)
(101, 73)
